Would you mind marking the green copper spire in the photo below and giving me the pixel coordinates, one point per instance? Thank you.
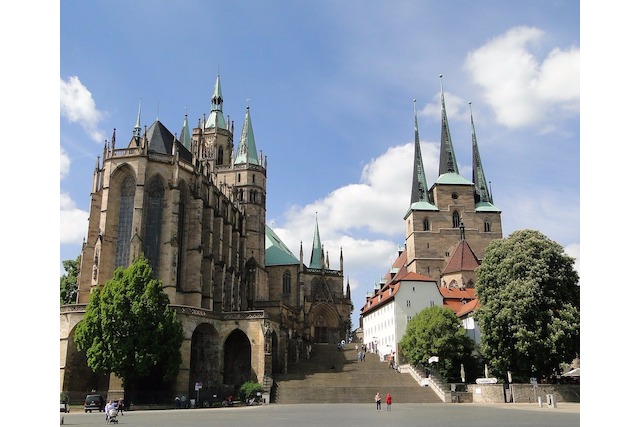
(247, 148)
(447, 156)
(316, 252)
(420, 189)
(479, 180)
(185, 136)
(216, 117)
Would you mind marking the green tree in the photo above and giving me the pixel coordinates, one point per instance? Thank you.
(437, 331)
(130, 330)
(529, 314)
(69, 281)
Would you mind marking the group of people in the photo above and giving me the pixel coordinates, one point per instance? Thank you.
(378, 399)
(361, 352)
(116, 405)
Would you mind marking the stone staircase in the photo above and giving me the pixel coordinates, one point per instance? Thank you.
(313, 380)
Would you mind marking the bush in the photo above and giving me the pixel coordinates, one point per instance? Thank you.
(249, 389)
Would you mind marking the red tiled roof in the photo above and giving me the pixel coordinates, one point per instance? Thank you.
(463, 259)
(389, 290)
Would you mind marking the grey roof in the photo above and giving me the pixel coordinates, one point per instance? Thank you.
(276, 252)
(452, 178)
(486, 207)
(420, 206)
(160, 140)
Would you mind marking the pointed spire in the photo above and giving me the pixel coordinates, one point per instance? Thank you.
(348, 296)
(185, 135)
(419, 190)
(136, 128)
(317, 256)
(447, 156)
(216, 117)
(479, 180)
(247, 147)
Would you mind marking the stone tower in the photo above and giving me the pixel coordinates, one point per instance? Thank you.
(435, 217)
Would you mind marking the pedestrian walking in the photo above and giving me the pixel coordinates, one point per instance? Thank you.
(388, 401)
(378, 399)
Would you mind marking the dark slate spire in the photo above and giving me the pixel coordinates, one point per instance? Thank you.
(447, 156)
(419, 189)
(479, 180)
(185, 136)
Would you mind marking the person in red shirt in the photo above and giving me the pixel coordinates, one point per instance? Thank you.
(388, 401)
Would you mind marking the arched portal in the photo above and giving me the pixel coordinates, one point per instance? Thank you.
(237, 359)
(326, 324)
(205, 360)
(79, 379)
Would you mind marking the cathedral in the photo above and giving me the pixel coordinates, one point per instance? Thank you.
(195, 207)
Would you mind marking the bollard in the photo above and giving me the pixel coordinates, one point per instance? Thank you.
(540, 401)
(551, 400)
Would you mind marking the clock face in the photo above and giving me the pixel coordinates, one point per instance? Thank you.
(454, 196)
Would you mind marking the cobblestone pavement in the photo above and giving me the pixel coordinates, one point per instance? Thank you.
(338, 415)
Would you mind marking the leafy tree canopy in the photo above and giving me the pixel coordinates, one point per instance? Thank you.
(437, 331)
(530, 312)
(69, 281)
(129, 329)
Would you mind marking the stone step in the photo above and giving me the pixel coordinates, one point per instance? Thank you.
(351, 381)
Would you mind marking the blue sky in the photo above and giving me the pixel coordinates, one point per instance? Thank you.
(329, 83)
(331, 87)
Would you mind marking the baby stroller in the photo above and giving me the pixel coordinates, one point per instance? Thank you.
(112, 416)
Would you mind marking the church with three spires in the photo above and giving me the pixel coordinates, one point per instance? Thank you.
(195, 207)
(448, 227)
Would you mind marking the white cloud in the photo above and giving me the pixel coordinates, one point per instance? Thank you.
(65, 163)
(573, 251)
(521, 90)
(77, 106)
(73, 221)
(364, 220)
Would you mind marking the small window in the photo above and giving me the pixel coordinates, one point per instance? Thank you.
(487, 226)
(425, 224)
(408, 303)
(432, 303)
(456, 219)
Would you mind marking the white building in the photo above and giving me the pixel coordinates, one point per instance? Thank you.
(387, 312)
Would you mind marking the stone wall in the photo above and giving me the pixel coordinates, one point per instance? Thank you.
(524, 393)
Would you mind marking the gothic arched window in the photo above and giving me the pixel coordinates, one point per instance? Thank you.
(456, 219)
(220, 156)
(125, 221)
(487, 226)
(181, 236)
(286, 282)
(154, 202)
(425, 224)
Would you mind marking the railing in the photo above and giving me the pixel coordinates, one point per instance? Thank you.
(433, 380)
